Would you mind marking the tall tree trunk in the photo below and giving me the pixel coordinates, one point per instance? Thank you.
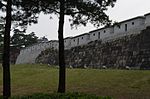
(62, 68)
(6, 54)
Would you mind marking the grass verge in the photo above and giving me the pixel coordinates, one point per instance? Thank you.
(119, 84)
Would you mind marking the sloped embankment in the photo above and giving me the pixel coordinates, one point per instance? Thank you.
(132, 50)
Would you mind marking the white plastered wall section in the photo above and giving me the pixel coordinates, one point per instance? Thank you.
(133, 26)
(74, 41)
(80, 40)
(129, 26)
(67, 43)
(83, 39)
(106, 33)
(95, 35)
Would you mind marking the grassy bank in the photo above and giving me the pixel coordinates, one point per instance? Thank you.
(120, 84)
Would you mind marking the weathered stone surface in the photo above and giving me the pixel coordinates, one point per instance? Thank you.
(132, 50)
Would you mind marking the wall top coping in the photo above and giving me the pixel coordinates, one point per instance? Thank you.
(80, 35)
(53, 41)
(108, 27)
(139, 17)
(147, 14)
(68, 38)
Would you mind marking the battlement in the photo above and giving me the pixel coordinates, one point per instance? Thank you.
(123, 28)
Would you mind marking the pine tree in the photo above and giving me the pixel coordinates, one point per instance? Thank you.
(81, 12)
(6, 56)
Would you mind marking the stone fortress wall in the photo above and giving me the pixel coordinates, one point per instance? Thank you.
(121, 29)
(127, 52)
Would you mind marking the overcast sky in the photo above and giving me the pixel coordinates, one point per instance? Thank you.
(124, 9)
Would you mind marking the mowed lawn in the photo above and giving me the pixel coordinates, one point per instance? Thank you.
(119, 84)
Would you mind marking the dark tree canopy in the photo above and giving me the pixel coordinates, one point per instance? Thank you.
(21, 18)
(20, 39)
(80, 11)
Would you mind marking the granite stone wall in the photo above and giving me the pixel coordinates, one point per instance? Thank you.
(131, 50)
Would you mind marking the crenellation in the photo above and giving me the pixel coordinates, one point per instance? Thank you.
(107, 34)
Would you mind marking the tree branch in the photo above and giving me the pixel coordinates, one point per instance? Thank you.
(54, 10)
(1, 4)
(70, 13)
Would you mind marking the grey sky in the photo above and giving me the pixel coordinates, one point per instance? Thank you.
(124, 9)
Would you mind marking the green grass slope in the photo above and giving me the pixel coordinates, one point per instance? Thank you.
(119, 84)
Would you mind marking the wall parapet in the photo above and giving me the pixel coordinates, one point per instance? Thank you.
(127, 27)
